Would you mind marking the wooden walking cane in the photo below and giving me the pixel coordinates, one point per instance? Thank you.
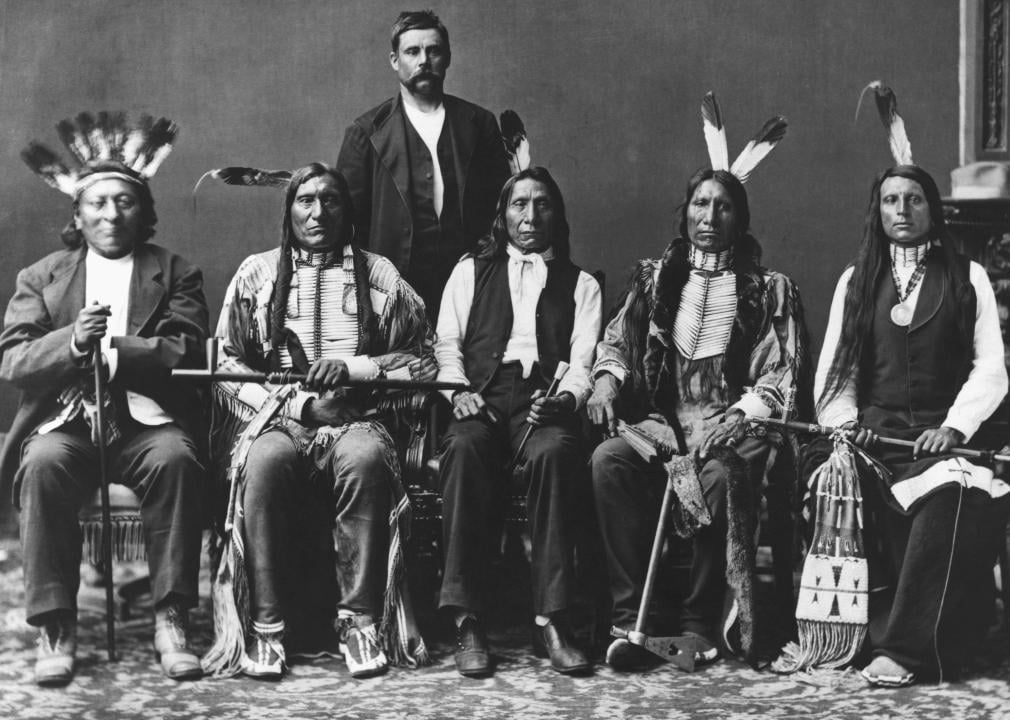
(103, 478)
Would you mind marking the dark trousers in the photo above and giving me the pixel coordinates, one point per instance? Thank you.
(474, 483)
(59, 472)
(358, 479)
(936, 616)
(628, 493)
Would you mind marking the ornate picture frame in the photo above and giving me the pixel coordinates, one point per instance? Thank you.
(985, 96)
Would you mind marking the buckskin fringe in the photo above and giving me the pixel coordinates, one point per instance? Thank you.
(128, 543)
(832, 609)
(230, 597)
(230, 585)
(741, 552)
(398, 632)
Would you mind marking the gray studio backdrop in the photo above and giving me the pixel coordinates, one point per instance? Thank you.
(609, 91)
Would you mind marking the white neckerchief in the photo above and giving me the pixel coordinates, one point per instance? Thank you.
(527, 272)
(429, 127)
(527, 279)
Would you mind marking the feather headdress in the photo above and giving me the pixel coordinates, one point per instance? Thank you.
(753, 153)
(517, 145)
(247, 177)
(887, 107)
(107, 137)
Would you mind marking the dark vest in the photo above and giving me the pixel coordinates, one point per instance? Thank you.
(915, 372)
(436, 240)
(490, 323)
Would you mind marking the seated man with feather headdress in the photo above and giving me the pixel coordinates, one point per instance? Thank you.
(141, 309)
(705, 338)
(318, 305)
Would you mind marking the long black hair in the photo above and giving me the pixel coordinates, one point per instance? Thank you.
(870, 268)
(284, 265)
(675, 267)
(494, 244)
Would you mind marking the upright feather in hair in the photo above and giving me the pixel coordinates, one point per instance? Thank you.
(98, 137)
(48, 165)
(112, 131)
(887, 107)
(248, 176)
(137, 139)
(85, 123)
(159, 146)
(517, 145)
(73, 141)
(715, 132)
(758, 148)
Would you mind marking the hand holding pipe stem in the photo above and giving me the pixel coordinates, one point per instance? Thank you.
(552, 390)
(286, 377)
(815, 429)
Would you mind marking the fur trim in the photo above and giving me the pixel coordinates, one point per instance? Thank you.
(741, 552)
(654, 300)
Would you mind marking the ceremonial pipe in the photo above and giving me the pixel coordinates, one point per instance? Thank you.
(815, 429)
(287, 378)
(551, 390)
(103, 491)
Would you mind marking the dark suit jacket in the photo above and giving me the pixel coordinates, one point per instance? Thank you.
(374, 159)
(167, 327)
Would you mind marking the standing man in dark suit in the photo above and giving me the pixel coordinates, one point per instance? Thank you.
(141, 309)
(424, 168)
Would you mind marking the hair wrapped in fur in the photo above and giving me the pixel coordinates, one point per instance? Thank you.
(279, 302)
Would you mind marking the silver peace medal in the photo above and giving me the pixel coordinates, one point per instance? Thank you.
(901, 315)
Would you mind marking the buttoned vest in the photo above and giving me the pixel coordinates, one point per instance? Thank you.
(916, 372)
(490, 323)
(435, 238)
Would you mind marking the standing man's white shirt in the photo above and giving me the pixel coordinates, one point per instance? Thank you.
(429, 127)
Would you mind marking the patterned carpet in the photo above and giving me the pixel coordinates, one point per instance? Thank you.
(523, 687)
